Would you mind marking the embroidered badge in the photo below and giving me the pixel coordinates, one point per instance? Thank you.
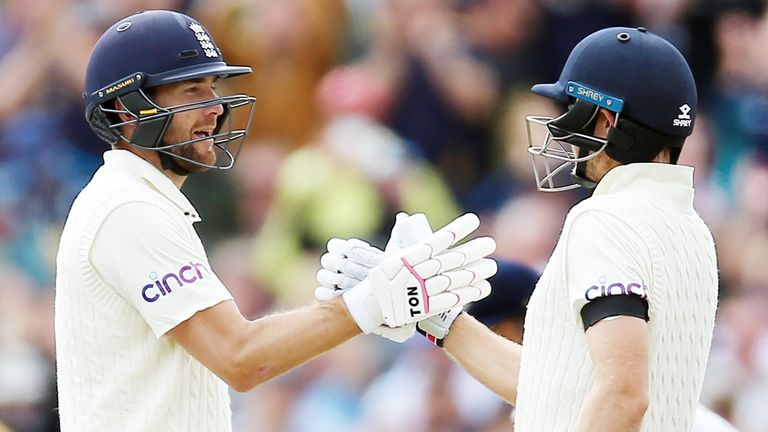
(206, 43)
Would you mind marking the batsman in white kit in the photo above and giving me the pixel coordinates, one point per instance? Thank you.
(147, 336)
(618, 330)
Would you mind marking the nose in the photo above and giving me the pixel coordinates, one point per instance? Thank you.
(216, 110)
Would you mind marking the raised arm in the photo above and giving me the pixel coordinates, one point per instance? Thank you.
(422, 280)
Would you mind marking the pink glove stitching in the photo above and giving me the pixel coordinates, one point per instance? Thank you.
(421, 281)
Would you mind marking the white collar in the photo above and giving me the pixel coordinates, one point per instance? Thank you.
(672, 181)
(134, 166)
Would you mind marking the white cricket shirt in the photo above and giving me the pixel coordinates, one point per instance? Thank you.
(637, 235)
(130, 267)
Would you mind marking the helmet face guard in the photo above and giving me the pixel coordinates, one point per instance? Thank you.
(554, 159)
(152, 122)
(567, 143)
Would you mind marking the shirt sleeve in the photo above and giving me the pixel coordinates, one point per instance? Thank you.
(607, 268)
(157, 264)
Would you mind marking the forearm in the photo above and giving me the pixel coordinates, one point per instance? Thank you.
(277, 343)
(488, 357)
(606, 409)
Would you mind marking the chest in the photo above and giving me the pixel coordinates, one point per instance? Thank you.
(550, 297)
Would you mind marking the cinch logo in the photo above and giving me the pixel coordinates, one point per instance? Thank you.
(161, 286)
(683, 119)
(616, 288)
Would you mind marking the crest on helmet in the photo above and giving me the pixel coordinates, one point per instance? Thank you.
(206, 43)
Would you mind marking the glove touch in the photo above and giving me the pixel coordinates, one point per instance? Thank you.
(424, 280)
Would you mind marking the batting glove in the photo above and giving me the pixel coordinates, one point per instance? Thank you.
(425, 279)
(348, 262)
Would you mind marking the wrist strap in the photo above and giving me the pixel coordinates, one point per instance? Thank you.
(430, 337)
(436, 328)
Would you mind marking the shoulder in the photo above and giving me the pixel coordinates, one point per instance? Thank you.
(108, 190)
(603, 215)
(121, 205)
(141, 220)
(142, 212)
(611, 204)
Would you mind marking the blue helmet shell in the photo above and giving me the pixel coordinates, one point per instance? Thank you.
(149, 49)
(632, 65)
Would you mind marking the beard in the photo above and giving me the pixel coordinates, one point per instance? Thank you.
(200, 152)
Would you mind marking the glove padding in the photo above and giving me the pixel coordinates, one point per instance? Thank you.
(345, 265)
(348, 262)
(425, 279)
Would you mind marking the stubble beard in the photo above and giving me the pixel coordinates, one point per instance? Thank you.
(200, 152)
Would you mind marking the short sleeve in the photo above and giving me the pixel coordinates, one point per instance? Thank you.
(607, 263)
(157, 264)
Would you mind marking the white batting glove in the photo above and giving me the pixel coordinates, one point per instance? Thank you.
(348, 262)
(425, 279)
(345, 265)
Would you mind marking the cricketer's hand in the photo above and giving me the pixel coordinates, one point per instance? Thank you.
(424, 280)
(348, 262)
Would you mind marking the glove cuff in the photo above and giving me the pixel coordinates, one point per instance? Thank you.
(436, 328)
(363, 306)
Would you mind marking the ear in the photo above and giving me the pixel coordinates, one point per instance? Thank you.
(605, 120)
(126, 129)
(120, 107)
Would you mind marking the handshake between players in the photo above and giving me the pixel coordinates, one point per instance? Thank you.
(418, 282)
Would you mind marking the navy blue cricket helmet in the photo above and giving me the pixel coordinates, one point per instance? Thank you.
(637, 75)
(144, 51)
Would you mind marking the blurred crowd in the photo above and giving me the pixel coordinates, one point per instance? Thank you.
(365, 108)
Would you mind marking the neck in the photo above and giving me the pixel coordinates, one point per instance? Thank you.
(178, 180)
(154, 159)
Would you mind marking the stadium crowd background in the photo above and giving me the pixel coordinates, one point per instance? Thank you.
(367, 107)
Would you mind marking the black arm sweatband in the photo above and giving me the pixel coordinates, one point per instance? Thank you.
(617, 305)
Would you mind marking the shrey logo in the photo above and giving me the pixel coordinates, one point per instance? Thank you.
(206, 43)
(617, 288)
(162, 286)
(683, 119)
